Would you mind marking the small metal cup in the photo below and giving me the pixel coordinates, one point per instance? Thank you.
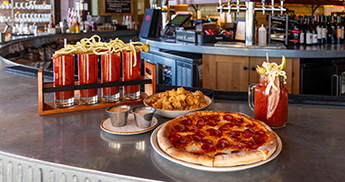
(118, 118)
(143, 116)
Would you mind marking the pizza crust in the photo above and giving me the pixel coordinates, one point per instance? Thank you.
(162, 136)
(240, 158)
(190, 157)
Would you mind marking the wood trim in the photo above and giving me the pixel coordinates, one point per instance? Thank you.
(209, 70)
(40, 91)
(295, 75)
(49, 107)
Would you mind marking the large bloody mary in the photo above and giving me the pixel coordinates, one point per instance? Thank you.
(261, 100)
(63, 67)
(110, 73)
(131, 71)
(88, 74)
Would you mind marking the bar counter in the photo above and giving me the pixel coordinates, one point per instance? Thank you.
(71, 146)
(239, 49)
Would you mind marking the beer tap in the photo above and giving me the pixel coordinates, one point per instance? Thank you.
(263, 6)
(229, 5)
(238, 6)
(271, 8)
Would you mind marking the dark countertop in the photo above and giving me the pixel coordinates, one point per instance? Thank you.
(312, 141)
(239, 49)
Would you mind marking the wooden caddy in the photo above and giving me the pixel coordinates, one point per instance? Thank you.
(49, 108)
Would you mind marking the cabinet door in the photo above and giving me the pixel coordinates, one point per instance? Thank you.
(254, 76)
(226, 72)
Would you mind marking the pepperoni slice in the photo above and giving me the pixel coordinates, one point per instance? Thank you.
(234, 133)
(200, 133)
(247, 133)
(179, 127)
(207, 147)
(214, 132)
(175, 137)
(180, 141)
(207, 141)
(200, 123)
(215, 118)
(260, 132)
(259, 141)
(188, 138)
(244, 144)
(224, 128)
(235, 138)
(193, 128)
(196, 138)
(227, 117)
(205, 118)
(237, 121)
(252, 125)
(212, 123)
(222, 143)
(186, 122)
(254, 146)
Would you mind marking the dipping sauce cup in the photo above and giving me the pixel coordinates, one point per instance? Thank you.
(88, 73)
(131, 71)
(118, 115)
(143, 116)
(63, 67)
(110, 73)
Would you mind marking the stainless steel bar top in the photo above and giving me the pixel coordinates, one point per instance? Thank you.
(239, 49)
(313, 144)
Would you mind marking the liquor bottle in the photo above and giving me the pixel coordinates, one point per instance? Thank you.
(309, 33)
(339, 32)
(51, 22)
(303, 30)
(324, 28)
(332, 33)
(296, 32)
(319, 28)
(329, 29)
(313, 29)
(342, 29)
(77, 25)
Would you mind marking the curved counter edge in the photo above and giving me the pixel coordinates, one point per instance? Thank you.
(18, 45)
(327, 51)
(15, 167)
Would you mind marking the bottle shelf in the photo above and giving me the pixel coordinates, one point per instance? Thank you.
(44, 108)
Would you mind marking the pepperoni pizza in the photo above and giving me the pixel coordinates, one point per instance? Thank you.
(214, 138)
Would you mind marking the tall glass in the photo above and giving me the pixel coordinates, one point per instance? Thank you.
(88, 74)
(110, 73)
(261, 103)
(131, 71)
(63, 67)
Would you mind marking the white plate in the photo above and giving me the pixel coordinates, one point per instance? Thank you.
(156, 147)
(129, 129)
(174, 114)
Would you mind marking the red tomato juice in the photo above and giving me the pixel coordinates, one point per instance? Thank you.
(63, 67)
(280, 116)
(131, 72)
(110, 72)
(88, 73)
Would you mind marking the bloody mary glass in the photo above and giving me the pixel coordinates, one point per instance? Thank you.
(88, 74)
(131, 71)
(110, 73)
(63, 67)
(261, 103)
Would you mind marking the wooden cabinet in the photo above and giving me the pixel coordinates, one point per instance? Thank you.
(236, 73)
